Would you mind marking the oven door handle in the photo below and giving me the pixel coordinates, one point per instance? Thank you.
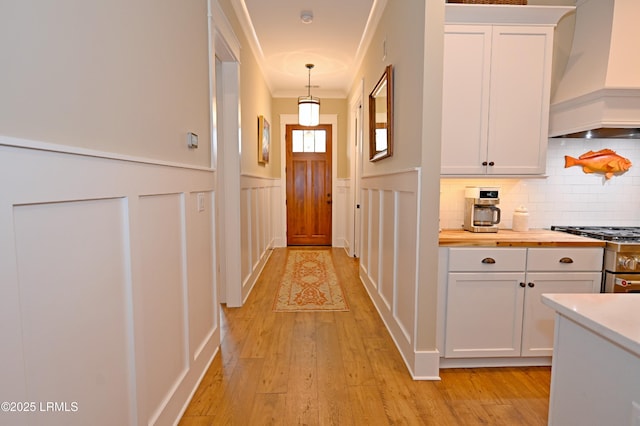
(622, 282)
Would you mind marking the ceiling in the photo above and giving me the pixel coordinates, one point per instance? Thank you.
(334, 42)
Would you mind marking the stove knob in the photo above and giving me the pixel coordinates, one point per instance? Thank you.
(622, 260)
(628, 262)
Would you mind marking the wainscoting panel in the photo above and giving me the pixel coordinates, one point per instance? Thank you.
(389, 252)
(73, 278)
(263, 194)
(254, 239)
(277, 217)
(375, 228)
(342, 207)
(246, 210)
(161, 289)
(366, 238)
(388, 231)
(107, 293)
(258, 196)
(406, 260)
(203, 320)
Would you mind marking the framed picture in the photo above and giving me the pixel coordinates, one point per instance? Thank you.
(264, 140)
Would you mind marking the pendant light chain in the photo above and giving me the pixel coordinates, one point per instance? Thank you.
(309, 66)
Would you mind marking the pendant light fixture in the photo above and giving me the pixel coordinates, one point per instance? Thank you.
(308, 106)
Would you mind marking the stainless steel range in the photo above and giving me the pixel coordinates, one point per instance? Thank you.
(621, 268)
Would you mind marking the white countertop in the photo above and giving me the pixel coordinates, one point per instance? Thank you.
(613, 316)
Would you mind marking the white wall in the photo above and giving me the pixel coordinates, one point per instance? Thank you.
(567, 196)
(389, 259)
(106, 284)
(255, 97)
(400, 34)
(399, 229)
(260, 215)
(342, 232)
(111, 75)
(107, 263)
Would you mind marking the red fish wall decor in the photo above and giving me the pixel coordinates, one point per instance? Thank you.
(604, 161)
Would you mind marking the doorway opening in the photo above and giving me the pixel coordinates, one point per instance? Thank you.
(309, 184)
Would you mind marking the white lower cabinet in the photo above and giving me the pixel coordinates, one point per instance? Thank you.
(484, 314)
(538, 320)
(493, 297)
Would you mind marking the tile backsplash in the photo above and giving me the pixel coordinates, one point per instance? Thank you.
(565, 196)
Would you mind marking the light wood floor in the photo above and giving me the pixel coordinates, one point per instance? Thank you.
(342, 368)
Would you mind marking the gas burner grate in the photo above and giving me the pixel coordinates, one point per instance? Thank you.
(606, 233)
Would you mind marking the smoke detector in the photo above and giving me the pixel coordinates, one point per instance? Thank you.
(306, 16)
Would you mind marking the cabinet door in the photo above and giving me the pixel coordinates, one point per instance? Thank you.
(538, 322)
(519, 99)
(484, 314)
(465, 101)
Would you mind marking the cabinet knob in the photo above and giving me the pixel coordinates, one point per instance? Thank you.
(488, 260)
(522, 285)
(484, 163)
(531, 285)
(566, 260)
(491, 163)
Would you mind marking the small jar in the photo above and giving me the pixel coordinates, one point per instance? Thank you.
(520, 219)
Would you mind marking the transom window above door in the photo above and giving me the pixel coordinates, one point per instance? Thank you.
(309, 140)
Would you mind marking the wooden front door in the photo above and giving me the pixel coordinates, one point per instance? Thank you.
(308, 185)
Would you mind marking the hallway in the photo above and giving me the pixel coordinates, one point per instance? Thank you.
(342, 368)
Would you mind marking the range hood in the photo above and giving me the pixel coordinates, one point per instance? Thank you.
(599, 93)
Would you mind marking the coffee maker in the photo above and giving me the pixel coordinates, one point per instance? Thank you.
(480, 211)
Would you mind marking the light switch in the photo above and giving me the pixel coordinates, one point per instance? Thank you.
(384, 49)
(192, 140)
(200, 198)
(635, 414)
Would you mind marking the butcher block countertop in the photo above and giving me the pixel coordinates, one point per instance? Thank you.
(509, 238)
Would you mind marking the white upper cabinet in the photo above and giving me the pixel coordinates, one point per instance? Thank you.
(465, 100)
(496, 89)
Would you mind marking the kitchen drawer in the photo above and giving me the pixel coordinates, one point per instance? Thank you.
(565, 259)
(487, 259)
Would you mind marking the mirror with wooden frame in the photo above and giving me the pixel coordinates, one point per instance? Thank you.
(381, 117)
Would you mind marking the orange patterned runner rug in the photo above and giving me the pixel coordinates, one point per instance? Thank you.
(309, 283)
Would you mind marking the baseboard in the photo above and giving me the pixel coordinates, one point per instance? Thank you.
(422, 365)
(253, 278)
(542, 361)
(426, 365)
(197, 384)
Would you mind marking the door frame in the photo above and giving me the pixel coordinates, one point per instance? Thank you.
(285, 119)
(225, 157)
(356, 141)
